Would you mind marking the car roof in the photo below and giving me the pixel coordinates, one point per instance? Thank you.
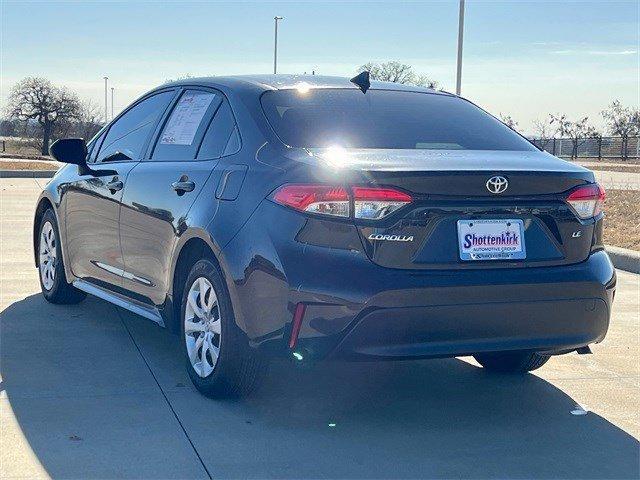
(286, 81)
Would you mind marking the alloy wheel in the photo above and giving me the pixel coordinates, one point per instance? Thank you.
(202, 327)
(48, 255)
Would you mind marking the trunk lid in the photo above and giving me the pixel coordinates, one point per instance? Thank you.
(451, 186)
(458, 172)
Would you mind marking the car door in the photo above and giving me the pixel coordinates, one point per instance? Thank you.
(162, 188)
(93, 200)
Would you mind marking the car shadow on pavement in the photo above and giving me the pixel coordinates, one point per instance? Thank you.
(80, 394)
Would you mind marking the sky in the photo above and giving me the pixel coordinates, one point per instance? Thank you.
(524, 59)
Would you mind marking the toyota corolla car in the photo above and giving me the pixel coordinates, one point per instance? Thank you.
(318, 217)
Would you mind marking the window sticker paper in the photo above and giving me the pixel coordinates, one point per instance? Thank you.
(186, 117)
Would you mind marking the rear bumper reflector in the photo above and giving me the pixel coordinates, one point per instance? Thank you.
(298, 315)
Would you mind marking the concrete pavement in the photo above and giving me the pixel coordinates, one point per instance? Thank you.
(92, 391)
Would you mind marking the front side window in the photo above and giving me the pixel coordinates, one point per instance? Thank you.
(94, 147)
(183, 130)
(127, 136)
(385, 119)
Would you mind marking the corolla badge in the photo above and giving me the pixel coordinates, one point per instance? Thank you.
(391, 238)
(497, 184)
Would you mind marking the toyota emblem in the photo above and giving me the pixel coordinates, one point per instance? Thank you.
(497, 184)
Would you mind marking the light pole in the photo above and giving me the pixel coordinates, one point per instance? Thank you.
(460, 35)
(275, 44)
(112, 89)
(106, 114)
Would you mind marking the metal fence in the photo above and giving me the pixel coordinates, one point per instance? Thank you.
(605, 147)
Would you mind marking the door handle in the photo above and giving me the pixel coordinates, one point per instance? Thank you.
(115, 185)
(183, 186)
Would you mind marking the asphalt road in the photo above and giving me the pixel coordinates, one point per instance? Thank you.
(91, 391)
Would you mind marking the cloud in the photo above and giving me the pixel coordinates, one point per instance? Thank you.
(594, 52)
(613, 52)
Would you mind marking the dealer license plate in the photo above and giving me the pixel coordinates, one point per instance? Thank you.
(491, 239)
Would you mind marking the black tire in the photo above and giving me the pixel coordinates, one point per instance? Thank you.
(239, 368)
(59, 292)
(511, 362)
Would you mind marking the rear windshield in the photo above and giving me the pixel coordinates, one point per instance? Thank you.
(384, 119)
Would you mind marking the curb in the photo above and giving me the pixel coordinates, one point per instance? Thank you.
(27, 173)
(624, 259)
(21, 156)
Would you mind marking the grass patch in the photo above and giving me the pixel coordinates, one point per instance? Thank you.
(28, 165)
(17, 145)
(617, 168)
(622, 219)
(628, 161)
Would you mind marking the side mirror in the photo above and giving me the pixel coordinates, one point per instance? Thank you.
(74, 151)
(70, 150)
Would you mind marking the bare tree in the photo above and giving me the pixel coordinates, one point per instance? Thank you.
(426, 81)
(88, 122)
(398, 73)
(622, 121)
(597, 136)
(579, 131)
(544, 132)
(509, 121)
(37, 99)
(186, 76)
(8, 128)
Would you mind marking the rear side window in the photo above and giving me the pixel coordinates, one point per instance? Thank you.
(385, 119)
(221, 129)
(127, 136)
(233, 145)
(185, 127)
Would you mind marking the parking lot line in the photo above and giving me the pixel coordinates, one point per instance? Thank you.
(195, 451)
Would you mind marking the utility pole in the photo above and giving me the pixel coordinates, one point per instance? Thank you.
(275, 44)
(112, 89)
(460, 35)
(106, 113)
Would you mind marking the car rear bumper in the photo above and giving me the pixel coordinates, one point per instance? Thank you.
(357, 309)
(450, 330)
(553, 310)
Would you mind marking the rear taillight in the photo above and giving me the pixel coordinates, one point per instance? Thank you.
(323, 199)
(587, 201)
(370, 203)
